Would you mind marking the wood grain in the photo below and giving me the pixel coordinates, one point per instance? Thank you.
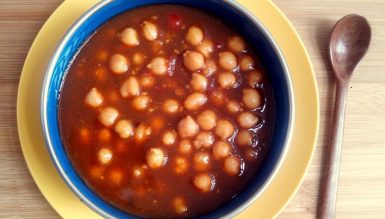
(361, 191)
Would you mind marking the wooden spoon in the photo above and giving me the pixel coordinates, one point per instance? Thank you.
(348, 43)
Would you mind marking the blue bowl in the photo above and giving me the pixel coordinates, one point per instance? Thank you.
(230, 13)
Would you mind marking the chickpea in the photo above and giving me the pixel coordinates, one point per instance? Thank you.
(116, 176)
(251, 154)
(108, 116)
(247, 63)
(105, 155)
(84, 136)
(201, 160)
(227, 80)
(187, 127)
(169, 137)
(96, 172)
(221, 149)
(124, 128)
(204, 182)
(232, 165)
(194, 101)
(180, 91)
(181, 165)
(209, 68)
(147, 81)
(227, 60)
(193, 60)
(150, 31)
(194, 35)
(224, 129)
(119, 64)
(233, 106)
(129, 36)
(206, 47)
(244, 138)
(156, 158)
(94, 98)
(236, 44)
(254, 78)
(180, 205)
(198, 82)
(142, 132)
(102, 55)
(207, 120)
(138, 58)
(185, 146)
(217, 98)
(130, 87)
(158, 66)
(203, 139)
(104, 135)
(251, 98)
(101, 74)
(247, 120)
(170, 106)
(141, 102)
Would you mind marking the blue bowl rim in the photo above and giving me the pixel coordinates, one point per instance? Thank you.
(67, 36)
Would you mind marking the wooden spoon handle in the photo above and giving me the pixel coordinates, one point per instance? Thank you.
(328, 191)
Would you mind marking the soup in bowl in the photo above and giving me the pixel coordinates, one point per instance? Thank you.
(167, 109)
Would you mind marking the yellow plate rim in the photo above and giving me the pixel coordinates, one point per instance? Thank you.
(268, 205)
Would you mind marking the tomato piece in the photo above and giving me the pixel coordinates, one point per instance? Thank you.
(174, 21)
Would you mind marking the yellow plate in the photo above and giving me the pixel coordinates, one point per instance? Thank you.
(276, 195)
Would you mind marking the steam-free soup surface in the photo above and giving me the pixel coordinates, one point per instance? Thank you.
(166, 112)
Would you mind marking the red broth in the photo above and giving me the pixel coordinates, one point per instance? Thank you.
(166, 112)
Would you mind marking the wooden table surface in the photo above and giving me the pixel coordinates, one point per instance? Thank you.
(362, 178)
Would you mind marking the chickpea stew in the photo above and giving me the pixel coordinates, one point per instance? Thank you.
(166, 112)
